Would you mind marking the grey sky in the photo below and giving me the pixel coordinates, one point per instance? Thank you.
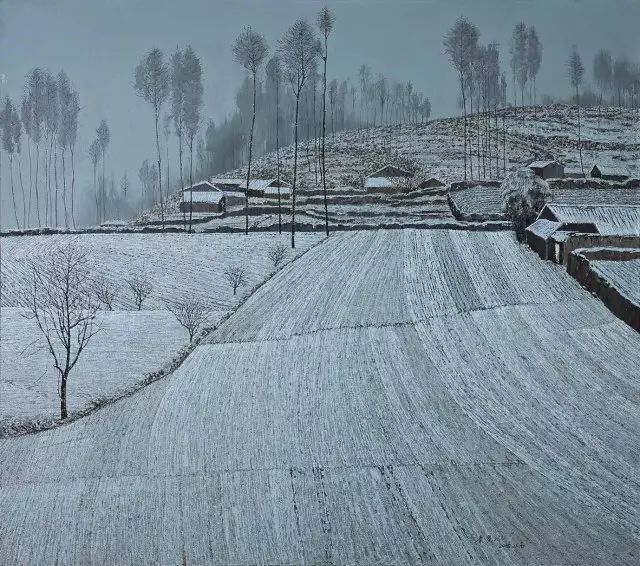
(99, 43)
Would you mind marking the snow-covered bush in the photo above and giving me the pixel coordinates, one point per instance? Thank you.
(523, 196)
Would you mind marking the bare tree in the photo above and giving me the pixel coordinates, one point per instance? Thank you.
(34, 110)
(460, 44)
(250, 50)
(382, 93)
(236, 276)
(277, 254)
(152, 84)
(141, 288)
(61, 302)
(177, 112)
(576, 75)
(364, 75)
(274, 75)
(103, 136)
(106, 291)
(192, 75)
(325, 21)
(534, 60)
(11, 130)
(519, 59)
(94, 155)
(67, 136)
(602, 73)
(299, 49)
(190, 313)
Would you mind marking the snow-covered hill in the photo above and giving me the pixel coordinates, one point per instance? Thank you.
(435, 149)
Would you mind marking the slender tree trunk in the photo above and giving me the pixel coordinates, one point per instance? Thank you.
(96, 191)
(278, 156)
(190, 183)
(55, 172)
(504, 147)
(73, 183)
(246, 195)
(324, 135)
(63, 395)
(36, 185)
(102, 189)
(295, 174)
(579, 139)
(13, 196)
(464, 113)
(64, 191)
(157, 111)
(167, 142)
(184, 211)
(30, 182)
(24, 199)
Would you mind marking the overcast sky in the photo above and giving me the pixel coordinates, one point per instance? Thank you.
(99, 42)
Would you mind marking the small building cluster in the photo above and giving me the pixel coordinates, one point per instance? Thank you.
(393, 179)
(218, 193)
(553, 169)
(556, 223)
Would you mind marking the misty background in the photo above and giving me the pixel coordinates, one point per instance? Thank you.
(99, 44)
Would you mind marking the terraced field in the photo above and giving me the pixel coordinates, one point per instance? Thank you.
(623, 275)
(391, 397)
(130, 344)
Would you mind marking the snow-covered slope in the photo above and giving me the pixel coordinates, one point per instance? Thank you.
(609, 138)
(388, 398)
(129, 344)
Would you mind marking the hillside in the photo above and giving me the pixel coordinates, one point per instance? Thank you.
(131, 344)
(391, 397)
(436, 149)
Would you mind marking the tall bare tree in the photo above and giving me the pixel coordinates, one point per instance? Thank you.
(299, 49)
(576, 75)
(67, 134)
(62, 303)
(192, 107)
(460, 44)
(177, 112)
(534, 60)
(103, 136)
(35, 103)
(94, 155)
(11, 131)
(519, 61)
(152, 85)
(602, 74)
(364, 76)
(250, 50)
(325, 21)
(274, 76)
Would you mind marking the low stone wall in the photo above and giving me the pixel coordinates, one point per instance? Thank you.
(590, 183)
(579, 266)
(585, 241)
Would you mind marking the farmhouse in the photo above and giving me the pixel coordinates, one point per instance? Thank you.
(203, 197)
(389, 179)
(547, 169)
(609, 173)
(556, 222)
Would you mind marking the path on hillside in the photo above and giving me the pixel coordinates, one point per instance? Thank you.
(392, 397)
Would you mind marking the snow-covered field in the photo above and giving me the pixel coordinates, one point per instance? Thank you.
(130, 343)
(623, 275)
(392, 397)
